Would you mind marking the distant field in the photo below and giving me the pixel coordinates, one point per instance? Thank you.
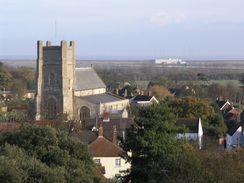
(144, 84)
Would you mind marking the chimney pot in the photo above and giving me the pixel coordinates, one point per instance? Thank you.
(100, 131)
(114, 135)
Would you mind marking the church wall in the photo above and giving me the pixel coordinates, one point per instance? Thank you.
(114, 106)
(79, 103)
(97, 110)
(90, 92)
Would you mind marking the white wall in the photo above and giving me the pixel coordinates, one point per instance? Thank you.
(110, 168)
(233, 140)
(90, 92)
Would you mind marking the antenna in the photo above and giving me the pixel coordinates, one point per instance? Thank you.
(55, 31)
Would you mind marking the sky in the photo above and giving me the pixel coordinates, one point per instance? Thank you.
(125, 29)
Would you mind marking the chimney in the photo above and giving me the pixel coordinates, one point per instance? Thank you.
(117, 91)
(149, 93)
(142, 92)
(125, 94)
(100, 131)
(114, 135)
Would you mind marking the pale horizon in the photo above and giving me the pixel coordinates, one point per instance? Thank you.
(107, 29)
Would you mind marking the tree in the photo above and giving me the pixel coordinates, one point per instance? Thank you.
(241, 80)
(131, 90)
(5, 79)
(191, 107)
(26, 75)
(206, 166)
(54, 149)
(151, 142)
(18, 166)
(203, 77)
(19, 89)
(160, 92)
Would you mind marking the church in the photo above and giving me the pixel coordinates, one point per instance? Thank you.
(77, 93)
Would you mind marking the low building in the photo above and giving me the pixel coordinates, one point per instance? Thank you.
(234, 137)
(109, 155)
(170, 61)
(143, 100)
(195, 131)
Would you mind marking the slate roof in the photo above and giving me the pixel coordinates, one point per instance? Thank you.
(233, 129)
(191, 123)
(221, 103)
(102, 147)
(142, 98)
(86, 136)
(101, 98)
(87, 78)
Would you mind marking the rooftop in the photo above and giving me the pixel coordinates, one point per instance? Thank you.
(87, 78)
(101, 98)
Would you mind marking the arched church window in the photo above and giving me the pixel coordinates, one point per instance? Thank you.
(52, 109)
(84, 113)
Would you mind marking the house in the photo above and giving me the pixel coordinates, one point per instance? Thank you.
(195, 131)
(234, 137)
(108, 154)
(232, 114)
(224, 106)
(143, 100)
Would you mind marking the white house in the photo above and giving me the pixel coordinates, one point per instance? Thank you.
(195, 131)
(109, 155)
(234, 137)
(143, 100)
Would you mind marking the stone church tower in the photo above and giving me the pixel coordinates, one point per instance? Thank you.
(55, 80)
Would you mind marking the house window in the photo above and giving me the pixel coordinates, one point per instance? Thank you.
(117, 162)
(96, 160)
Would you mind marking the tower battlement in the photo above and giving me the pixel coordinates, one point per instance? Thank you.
(62, 43)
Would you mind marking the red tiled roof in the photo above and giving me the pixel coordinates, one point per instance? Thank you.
(234, 111)
(5, 127)
(102, 147)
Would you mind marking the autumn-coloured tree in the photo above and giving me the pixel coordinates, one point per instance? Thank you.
(191, 107)
(160, 92)
(5, 78)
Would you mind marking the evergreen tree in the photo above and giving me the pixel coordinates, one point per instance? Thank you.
(55, 149)
(152, 141)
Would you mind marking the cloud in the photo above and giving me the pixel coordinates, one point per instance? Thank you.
(163, 18)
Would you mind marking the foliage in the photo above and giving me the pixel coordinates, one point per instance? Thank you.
(55, 149)
(206, 166)
(5, 78)
(131, 90)
(191, 107)
(13, 116)
(27, 76)
(160, 92)
(167, 83)
(241, 79)
(18, 166)
(151, 142)
(203, 77)
(18, 89)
